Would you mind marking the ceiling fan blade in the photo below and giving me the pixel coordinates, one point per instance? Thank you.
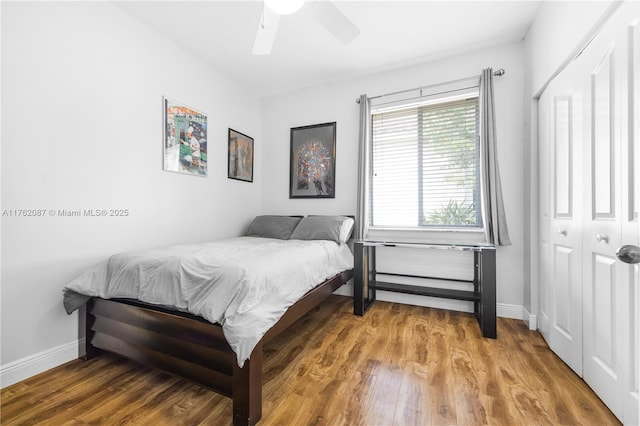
(334, 21)
(266, 33)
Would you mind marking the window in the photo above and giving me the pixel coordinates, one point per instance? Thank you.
(425, 164)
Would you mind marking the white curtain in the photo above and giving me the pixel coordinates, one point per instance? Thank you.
(494, 218)
(362, 209)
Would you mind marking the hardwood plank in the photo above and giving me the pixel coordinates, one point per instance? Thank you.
(396, 365)
(63, 388)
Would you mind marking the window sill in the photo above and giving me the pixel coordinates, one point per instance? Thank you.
(429, 236)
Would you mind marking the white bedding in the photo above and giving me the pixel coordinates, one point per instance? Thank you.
(245, 284)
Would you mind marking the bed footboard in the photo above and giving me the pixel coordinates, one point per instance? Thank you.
(190, 346)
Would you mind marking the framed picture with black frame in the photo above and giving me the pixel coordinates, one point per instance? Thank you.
(240, 158)
(312, 169)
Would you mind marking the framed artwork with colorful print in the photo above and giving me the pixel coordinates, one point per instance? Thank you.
(185, 139)
(312, 169)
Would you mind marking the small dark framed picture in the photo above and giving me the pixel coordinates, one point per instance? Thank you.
(312, 168)
(240, 164)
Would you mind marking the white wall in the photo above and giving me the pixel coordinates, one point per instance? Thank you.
(558, 31)
(82, 87)
(336, 102)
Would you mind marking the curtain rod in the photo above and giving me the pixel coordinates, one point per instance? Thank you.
(497, 73)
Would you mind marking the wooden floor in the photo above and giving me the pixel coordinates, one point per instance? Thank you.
(397, 365)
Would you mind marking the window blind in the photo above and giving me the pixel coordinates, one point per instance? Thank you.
(425, 165)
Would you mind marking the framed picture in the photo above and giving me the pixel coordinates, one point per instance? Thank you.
(240, 163)
(312, 168)
(185, 139)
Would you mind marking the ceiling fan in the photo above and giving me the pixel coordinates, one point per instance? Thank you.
(325, 12)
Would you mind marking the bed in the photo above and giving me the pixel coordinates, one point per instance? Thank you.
(212, 337)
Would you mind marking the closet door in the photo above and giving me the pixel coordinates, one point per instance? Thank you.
(565, 229)
(589, 135)
(561, 125)
(604, 69)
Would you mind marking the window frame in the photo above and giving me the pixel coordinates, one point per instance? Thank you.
(430, 233)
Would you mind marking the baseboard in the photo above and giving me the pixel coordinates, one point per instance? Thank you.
(507, 310)
(530, 319)
(24, 368)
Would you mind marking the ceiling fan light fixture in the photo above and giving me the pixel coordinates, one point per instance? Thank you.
(284, 7)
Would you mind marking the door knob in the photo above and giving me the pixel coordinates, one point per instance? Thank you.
(562, 232)
(629, 254)
(601, 238)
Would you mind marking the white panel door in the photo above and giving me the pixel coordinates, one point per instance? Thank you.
(590, 141)
(602, 271)
(560, 153)
(630, 220)
(565, 237)
(604, 68)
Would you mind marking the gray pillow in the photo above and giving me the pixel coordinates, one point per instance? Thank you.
(279, 227)
(332, 228)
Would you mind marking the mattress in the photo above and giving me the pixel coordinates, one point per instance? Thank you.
(245, 284)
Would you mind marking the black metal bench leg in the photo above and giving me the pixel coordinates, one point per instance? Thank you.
(485, 283)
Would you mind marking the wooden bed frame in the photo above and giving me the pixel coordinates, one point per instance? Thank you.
(189, 345)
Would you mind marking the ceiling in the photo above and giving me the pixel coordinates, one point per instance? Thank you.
(393, 34)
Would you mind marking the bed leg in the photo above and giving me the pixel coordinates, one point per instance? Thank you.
(247, 389)
(85, 321)
(90, 351)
